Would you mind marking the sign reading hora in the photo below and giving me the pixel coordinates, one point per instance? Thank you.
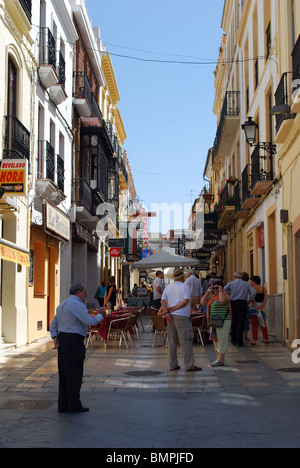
(13, 177)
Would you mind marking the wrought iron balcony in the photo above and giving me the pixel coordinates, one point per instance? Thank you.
(225, 207)
(47, 59)
(17, 139)
(228, 125)
(82, 194)
(239, 212)
(283, 97)
(27, 7)
(249, 201)
(82, 95)
(123, 174)
(47, 48)
(296, 60)
(61, 69)
(50, 166)
(262, 172)
(296, 77)
(93, 118)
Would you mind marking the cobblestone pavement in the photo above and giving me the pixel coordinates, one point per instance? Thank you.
(252, 401)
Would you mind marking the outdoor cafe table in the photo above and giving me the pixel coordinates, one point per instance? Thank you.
(107, 319)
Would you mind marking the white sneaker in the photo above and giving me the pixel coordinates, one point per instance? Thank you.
(217, 364)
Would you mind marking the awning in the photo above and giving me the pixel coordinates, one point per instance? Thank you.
(13, 253)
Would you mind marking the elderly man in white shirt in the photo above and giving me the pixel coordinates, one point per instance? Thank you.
(176, 305)
(196, 288)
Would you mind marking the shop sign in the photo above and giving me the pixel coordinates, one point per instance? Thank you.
(116, 243)
(13, 255)
(115, 253)
(261, 236)
(57, 223)
(13, 177)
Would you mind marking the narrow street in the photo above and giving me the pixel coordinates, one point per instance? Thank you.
(135, 402)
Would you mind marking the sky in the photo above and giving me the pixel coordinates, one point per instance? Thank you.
(166, 108)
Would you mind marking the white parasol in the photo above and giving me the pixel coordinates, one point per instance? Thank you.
(164, 260)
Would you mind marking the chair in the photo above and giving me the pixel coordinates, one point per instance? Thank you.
(152, 312)
(91, 333)
(198, 329)
(160, 328)
(116, 328)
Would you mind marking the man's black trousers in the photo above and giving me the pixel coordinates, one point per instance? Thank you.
(239, 315)
(71, 356)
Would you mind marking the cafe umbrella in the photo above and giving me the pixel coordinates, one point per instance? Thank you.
(164, 260)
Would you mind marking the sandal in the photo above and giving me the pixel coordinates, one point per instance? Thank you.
(176, 368)
(194, 369)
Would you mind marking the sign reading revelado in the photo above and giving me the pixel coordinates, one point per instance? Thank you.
(57, 222)
(13, 177)
(13, 255)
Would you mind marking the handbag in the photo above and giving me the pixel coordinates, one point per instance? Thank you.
(260, 319)
(217, 323)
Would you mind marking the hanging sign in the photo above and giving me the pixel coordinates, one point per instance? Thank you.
(57, 223)
(115, 253)
(13, 177)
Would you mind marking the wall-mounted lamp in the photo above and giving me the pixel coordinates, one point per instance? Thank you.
(250, 128)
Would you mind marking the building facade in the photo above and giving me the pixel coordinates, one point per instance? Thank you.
(16, 144)
(247, 182)
(50, 197)
(69, 178)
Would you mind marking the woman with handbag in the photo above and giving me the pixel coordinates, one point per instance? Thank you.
(219, 319)
(256, 313)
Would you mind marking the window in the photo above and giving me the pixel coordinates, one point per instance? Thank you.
(12, 89)
(268, 41)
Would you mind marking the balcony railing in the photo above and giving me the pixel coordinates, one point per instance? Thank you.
(96, 109)
(296, 60)
(27, 7)
(47, 47)
(283, 96)
(225, 207)
(262, 172)
(50, 162)
(239, 212)
(17, 139)
(61, 69)
(246, 177)
(82, 87)
(229, 122)
(123, 170)
(248, 201)
(50, 166)
(82, 194)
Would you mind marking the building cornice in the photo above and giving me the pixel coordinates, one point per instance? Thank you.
(110, 78)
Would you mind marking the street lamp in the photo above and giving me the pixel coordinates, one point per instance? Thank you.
(250, 128)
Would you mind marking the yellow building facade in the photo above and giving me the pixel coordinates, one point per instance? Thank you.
(252, 184)
(288, 139)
